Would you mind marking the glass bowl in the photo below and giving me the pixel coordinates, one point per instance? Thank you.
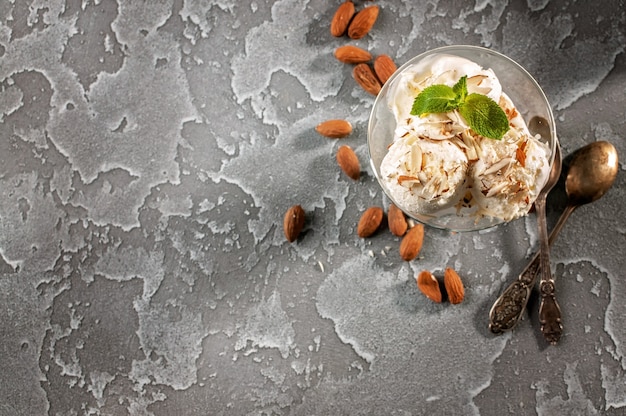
(518, 84)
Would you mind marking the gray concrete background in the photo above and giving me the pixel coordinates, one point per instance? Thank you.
(148, 151)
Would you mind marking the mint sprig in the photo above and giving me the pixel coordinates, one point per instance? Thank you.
(483, 114)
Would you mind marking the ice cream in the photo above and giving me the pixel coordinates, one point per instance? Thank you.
(438, 165)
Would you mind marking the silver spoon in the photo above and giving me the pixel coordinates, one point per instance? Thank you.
(549, 310)
(592, 171)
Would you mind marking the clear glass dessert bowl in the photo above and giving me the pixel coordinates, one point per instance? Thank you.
(517, 84)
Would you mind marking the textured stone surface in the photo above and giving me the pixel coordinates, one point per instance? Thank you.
(148, 152)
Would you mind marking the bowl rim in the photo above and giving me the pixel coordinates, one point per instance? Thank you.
(381, 98)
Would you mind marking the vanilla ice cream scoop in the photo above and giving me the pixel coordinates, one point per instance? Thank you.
(425, 176)
(509, 176)
(510, 173)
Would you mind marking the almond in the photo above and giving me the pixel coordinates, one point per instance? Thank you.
(349, 162)
(429, 286)
(334, 129)
(370, 222)
(397, 221)
(293, 222)
(362, 22)
(520, 156)
(364, 76)
(384, 67)
(411, 243)
(341, 18)
(454, 286)
(350, 54)
(520, 153)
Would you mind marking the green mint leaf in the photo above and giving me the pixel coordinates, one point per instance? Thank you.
(436, 98)
(460, 89)
(484, 116)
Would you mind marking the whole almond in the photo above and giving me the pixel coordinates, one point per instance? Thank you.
(454, 286)
(429, 286)
(349, 162)
(384, 67)
(411, 243)
(293, 222)
(362, 22)
(334, 129)
(370, 222)
(397, 221)
(341, 18)
(351, 54)
(364, 76)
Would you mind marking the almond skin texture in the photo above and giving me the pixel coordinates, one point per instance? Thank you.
(334, 129)
(350, 54)
(293, 222)
(341, 18)
(349, 162)
(454, 286)
(370, 222)
(384, 67)
(397, 221)
(362, 22)
(364, 76)
(411, 243)
(429, 286)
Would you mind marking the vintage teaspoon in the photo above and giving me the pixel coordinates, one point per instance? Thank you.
(549, 310)
(592, 171)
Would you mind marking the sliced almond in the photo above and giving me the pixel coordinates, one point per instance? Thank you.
(293, 222)
(474, 83)
(511, 113)
(341, 18)
(384, 67)
(370, 222)
(416, 159)
(364, 76)
(411, 243)
(429, 286)
(426, 158)
(402, 179)
(351, 54)
(470, 151)
(496, 189)
(334, 129)
(362, 22)
(478, 148)
(502, 163)
(349, 162)
(520, 153)
(397, 221)
(476, 80)
(454, 286)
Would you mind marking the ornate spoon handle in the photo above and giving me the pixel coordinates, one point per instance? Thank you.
(509, 307)
(550, 313)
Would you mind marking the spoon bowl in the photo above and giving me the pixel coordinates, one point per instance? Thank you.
(591, 173)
